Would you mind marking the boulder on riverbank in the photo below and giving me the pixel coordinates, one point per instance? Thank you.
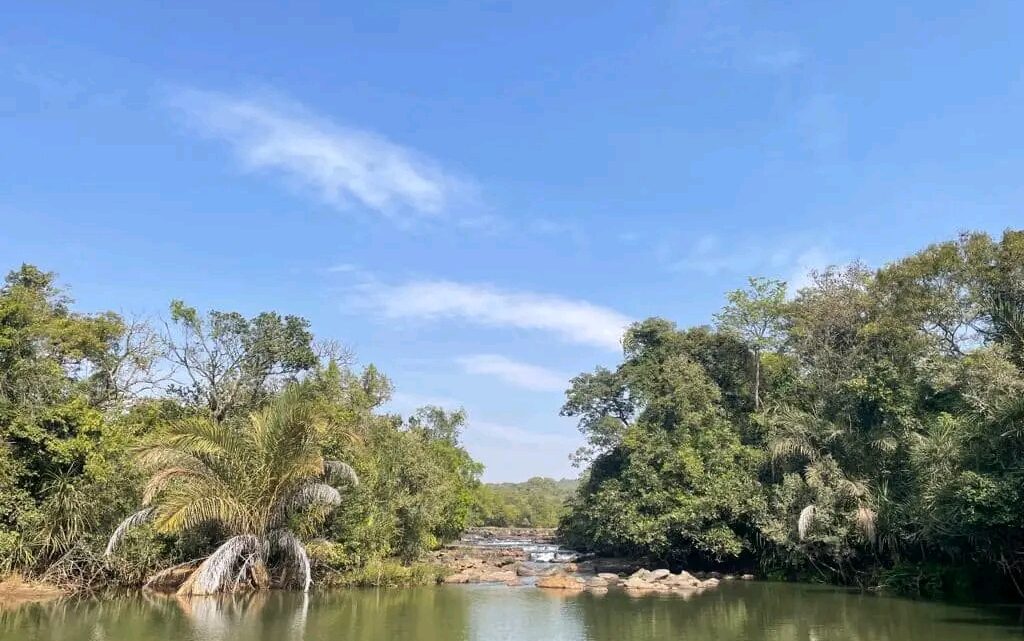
(661, 580)
(483, 575)
(523, 569)
(561, 582)
(15, 590)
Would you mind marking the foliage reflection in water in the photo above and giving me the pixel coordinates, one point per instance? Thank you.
(739, 612)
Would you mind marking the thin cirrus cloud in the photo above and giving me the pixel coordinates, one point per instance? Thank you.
(519, 374)
(574, 321)
(344, 167)
(793, 259)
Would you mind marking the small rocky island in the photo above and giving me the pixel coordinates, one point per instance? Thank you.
(525, 556)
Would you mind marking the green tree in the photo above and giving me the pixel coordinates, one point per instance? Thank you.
(537, 502)
(227, 363)
(63, 465)
(678, 483)
(263, 483)
(755, 316)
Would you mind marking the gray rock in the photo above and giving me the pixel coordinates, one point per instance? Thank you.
(658, 575)
(525, 570)
(641, 585)
(681, 581)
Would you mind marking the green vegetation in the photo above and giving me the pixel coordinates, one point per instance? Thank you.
(538, 502)
(867, 430)
(229, 432)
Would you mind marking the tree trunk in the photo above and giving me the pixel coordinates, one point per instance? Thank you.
(757, 380)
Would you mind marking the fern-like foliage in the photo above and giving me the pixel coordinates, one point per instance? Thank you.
(255, 481)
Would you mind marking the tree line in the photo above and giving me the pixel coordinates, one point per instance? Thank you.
(865, 429)
(537, 502)
(217, 449)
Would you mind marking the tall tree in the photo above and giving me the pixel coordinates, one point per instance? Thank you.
(754, 315)
(228, 363)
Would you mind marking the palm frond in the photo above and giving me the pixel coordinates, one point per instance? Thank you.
(799, 434)
(1009, 416)
(885, 444)
(204, 437)
(316, 493)
(854, 489)
(134, 520)
(867, 522)
(803, 523)
(295, 554)
(226, 568)
(165, 477)
(157, 456)
(190, 511)
(340, 472)
(786, 447)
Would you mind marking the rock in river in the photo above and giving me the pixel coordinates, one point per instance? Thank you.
(561, 582)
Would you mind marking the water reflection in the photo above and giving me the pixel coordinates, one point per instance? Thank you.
(735, 612)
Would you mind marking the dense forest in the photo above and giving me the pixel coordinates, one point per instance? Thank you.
(244, 441)
(537, 502)
(865, 429)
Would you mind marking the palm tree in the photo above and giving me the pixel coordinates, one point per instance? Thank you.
(258, 483)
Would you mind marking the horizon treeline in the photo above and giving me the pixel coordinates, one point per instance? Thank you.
(866, 429)
(536, 502)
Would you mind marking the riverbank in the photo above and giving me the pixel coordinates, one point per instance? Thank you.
(16, 590)
(484, 555)
(520, 556)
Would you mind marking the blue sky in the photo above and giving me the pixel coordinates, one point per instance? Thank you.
(477, 196)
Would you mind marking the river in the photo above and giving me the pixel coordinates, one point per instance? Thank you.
(735, 611)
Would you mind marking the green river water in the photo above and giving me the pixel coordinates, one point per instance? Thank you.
(734, 611)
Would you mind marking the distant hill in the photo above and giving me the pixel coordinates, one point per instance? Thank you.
(538, 502)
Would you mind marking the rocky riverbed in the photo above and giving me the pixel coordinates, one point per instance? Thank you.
(519, 556)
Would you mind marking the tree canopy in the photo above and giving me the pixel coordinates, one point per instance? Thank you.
(226, 430)
(867, 429)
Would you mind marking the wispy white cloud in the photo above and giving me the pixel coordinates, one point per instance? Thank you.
(724, 33)
(792, 259)
(805, 264)
(572, 320)
(780, 59)
(344, 268)
(525, 375)
(341, 166)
